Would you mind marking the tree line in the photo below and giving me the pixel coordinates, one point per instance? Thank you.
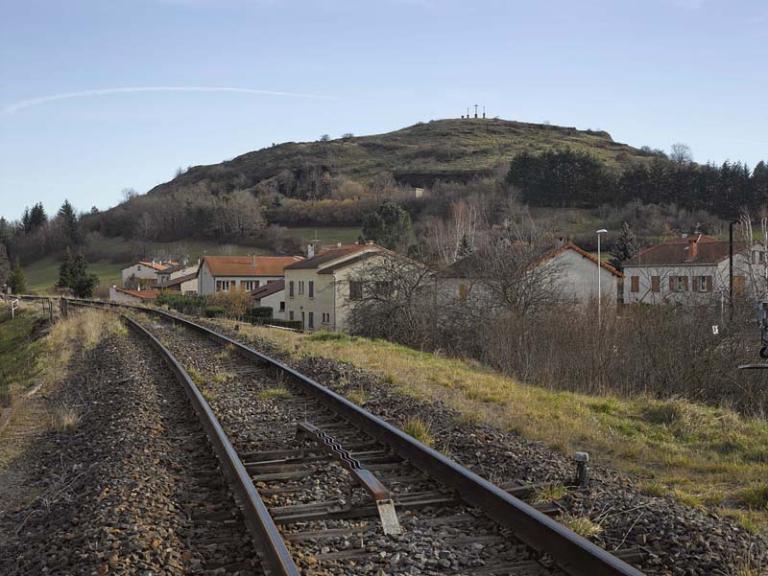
(568, 178)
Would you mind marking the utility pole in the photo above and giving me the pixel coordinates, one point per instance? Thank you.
(599, 282)
(730, 268)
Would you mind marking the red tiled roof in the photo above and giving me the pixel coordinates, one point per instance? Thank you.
(677, 252)
(269, 289)
(141, 294)
(249, 265)
(329, 255)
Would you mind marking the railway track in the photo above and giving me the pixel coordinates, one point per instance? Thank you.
(327, 488)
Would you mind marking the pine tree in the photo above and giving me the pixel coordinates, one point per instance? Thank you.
(70, 224)
(76, 274)
(65, 271)
(5, 266)
(16, 281)
(625, 248)
(465, 248)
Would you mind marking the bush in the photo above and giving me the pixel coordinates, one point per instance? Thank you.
(292, 324)
(214, 312)
(261, 312)
(184, 303)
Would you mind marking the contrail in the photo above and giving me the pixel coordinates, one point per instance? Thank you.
(22, 104)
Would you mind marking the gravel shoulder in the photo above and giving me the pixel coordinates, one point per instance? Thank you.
(111, 474)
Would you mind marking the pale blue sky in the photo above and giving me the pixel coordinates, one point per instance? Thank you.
(651, 72)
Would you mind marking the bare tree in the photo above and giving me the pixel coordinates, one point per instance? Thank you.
(681, 153)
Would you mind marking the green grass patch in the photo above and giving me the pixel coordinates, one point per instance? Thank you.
(274, 394)
(18, 351)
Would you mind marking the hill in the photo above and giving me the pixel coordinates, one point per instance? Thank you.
(449, 150)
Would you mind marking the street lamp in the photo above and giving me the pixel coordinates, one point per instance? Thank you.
(599, 286)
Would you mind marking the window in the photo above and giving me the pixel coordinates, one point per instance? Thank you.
(355, 290)
(248, 284)
(311, 319)
(702, 283)
(282, 306)
(634, 284)
(290, 292)
(655, 283)
(290, 315)
(311, 289)
(326, 318)
(301, 287)
(222, 285)
(678, 283)
(463, 291)
(758, 257)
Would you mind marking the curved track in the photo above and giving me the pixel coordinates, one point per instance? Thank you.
(329, 474)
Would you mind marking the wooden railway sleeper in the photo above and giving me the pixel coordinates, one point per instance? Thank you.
(365, 478)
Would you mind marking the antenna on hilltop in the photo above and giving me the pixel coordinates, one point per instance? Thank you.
(483, 111)
(475, 110)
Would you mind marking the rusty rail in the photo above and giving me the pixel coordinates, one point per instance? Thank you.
(274, 555)
(572, 553)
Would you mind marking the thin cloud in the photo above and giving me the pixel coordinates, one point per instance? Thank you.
(29, 103)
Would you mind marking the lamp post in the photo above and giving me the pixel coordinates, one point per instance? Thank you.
(599, 284)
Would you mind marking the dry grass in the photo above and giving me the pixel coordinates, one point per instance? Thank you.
(582, 525)
(420, 430)
(549, 493)
(64, 418)
(700, 455)
(359, 397)
(274, 394)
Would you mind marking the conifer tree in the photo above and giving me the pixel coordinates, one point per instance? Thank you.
(625, 248)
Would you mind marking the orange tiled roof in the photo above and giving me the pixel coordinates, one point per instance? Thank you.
(141, 294)
(159, 266)
(248, 265)
(571, 246)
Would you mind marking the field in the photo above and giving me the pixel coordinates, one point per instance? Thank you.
(705, 457)
(327, 235)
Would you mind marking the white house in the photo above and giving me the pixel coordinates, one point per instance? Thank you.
(321, 288)
(223, 273)
(694, 270)
(570, 273)
(144, 273)
(272, 295)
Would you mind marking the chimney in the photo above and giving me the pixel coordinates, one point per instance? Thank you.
(560, 242)
(693, 247)
(310, 250)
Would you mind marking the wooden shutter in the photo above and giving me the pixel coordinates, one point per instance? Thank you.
(655, 284)
(685, 283)
(635, 284)
(708, 283)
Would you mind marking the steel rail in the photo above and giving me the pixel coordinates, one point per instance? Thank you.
(275, 558)
(572, 553)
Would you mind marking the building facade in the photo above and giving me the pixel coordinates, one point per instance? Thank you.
(321, 290)
(694, 270)
(144, 273)
(272, 295)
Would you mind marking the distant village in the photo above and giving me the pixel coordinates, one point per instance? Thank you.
(317, 290)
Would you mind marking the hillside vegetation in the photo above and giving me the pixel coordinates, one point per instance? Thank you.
(417, 155)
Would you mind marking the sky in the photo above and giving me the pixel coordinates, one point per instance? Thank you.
(98, 96)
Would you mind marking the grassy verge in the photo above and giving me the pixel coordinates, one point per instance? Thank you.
(18, 352)
(705, 457)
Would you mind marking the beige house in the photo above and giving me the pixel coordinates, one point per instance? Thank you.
(694, 270)
(322, 288)
(179, 278)
(223, 273)
(144, 273)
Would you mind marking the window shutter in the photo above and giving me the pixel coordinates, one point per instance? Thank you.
(685, 283)
(709, 283)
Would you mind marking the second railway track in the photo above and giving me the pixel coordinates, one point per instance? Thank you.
(343, 493)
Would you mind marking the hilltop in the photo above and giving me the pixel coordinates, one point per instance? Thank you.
(448, 150)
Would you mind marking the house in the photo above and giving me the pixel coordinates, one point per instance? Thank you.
(178, 278)
(322, 287)
(694, 270)
(144, 273)
(128, 296)
(271, 295)
(223, 273)
(568, 271)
